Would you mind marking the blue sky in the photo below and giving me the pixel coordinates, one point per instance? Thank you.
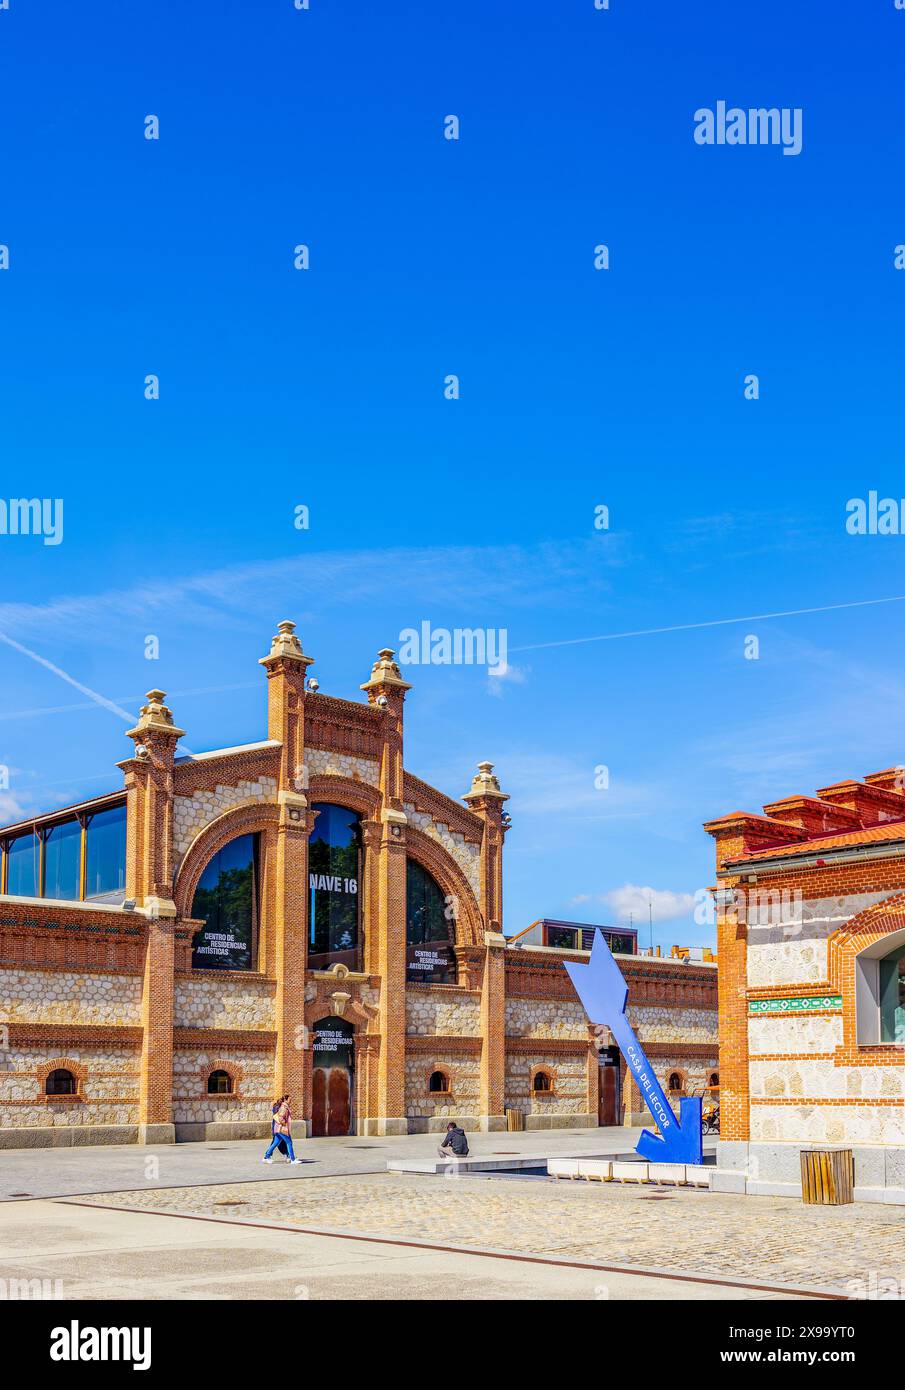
(579, 388)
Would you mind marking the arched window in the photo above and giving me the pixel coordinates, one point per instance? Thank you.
(880, 991)
(542, 1081)
(439, 1082)
(227, 900)
(892, 997)
(713, 1081)
(60, 1083)
(334, 874)
(429, 928)
(219, 1083)
(676, 1083)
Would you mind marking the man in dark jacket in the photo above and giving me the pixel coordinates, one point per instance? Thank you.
(455, 1145)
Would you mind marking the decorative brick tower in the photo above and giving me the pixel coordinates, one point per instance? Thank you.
(386, 690)
(286, 666)
(149, 881)
(486, 800)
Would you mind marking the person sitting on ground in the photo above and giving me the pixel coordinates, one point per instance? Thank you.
(455, 1145)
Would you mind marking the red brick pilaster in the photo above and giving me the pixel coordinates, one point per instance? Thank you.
(290, 942)
(734, 835)
(155, 1087)
(387, 690)
(286, 666)
(493, 1033)
(486, 800)
(149, 881)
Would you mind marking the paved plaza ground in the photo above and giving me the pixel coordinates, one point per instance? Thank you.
(212, 1221)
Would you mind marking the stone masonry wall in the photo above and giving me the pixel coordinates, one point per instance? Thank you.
(110, 1087)
(65, 996)
(192, 813)
(545, 1018)
(465, 1085)
(228, 1002)
(320, 761)
(253, 1078)
(569, 1096)
(674, 1025)
(435, 1012)
(465, 853)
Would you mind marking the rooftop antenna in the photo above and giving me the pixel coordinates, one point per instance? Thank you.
(650, 919)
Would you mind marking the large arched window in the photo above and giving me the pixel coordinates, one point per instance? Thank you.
(429, 928)
(227, 900)
(334, 875)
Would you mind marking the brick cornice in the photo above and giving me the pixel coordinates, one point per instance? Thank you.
(258, 1039)
(79, 1034)
(437, 1042)
(522, 1044)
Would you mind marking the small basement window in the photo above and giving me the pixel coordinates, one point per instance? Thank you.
(219, 1083)
(439, 1083)
(60, 1082)
(542, 1081)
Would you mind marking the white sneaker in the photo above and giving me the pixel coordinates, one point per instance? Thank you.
(295, 1160)
(266, 1160)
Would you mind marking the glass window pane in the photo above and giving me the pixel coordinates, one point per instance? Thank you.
(226, 898)
(22, 862)
(562, 937)
(429, 930)
(333, 877)
(63, 860)
(106, 855)
(892, 998)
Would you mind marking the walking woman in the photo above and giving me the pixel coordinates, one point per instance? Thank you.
(282, 1131)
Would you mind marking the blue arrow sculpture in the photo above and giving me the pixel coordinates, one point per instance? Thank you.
(602, 990)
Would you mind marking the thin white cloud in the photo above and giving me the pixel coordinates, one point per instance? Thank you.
(643, 904)
(498, 676)
(477, 580)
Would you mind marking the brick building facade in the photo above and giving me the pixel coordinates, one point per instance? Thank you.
(811, 943)
(299, 915)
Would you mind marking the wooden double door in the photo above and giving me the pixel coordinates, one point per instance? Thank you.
(609, 1088)
(331, 1077)
(331, 1101)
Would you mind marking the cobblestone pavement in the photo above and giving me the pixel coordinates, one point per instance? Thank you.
(771, 1240)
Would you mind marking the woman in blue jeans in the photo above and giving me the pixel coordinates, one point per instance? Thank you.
(282, 1130)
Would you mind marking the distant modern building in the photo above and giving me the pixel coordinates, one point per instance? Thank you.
(576, 936)
(811, 942)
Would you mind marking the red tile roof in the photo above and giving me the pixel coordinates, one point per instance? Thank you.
(870, 835)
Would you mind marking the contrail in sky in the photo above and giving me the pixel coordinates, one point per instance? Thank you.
(715, 622)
